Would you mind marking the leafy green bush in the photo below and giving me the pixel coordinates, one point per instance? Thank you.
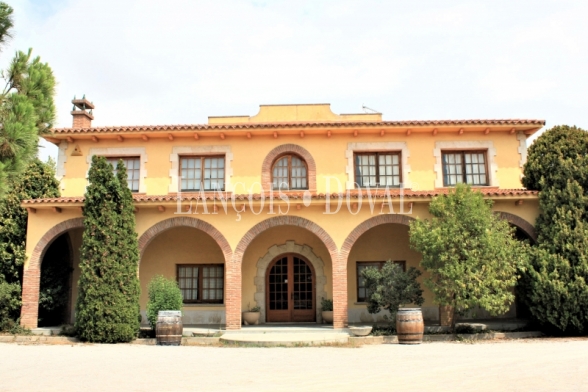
(164, 294)
(472, 256)
(391, 287)
(326, 305)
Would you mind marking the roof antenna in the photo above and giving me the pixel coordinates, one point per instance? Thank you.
(369, 110)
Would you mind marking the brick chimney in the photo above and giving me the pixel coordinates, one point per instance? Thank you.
(81, 117)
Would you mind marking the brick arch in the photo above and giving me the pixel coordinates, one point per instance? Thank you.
(519, 222)
(266, 167)
(284, 220)
(150, 234)
(31, 279)
(369, 224)
(234, 282)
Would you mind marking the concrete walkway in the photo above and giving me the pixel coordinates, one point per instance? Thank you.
(528, 365)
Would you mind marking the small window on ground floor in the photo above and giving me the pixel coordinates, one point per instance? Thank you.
(361, 265)
(201, 283)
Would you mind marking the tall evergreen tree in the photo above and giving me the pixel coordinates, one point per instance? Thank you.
(129, 242)
(556, 285)
(37, 181)
(26, 106)
(107, 309)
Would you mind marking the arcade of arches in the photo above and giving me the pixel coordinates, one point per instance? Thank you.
(285, 265)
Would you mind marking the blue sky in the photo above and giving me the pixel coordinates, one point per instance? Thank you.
(177, 62)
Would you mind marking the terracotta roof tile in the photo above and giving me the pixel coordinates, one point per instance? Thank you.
(340, 124)
(377, 194)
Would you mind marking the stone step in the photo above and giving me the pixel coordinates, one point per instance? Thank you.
(285, 339)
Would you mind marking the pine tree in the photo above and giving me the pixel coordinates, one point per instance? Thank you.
(37, 181)
(26, 106)
(556, 284)
(107, 309)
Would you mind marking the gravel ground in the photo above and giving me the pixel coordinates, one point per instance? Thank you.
(524, 365)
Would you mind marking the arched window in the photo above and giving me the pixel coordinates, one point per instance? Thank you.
(289, 172)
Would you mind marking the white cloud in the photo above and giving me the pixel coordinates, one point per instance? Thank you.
(153, 62)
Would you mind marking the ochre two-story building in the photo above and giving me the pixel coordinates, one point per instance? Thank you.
(280, 209)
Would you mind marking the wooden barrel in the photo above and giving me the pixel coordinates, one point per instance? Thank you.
(410, 326)
(169, 328)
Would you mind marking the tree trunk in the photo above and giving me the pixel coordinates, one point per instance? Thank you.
(447, 316)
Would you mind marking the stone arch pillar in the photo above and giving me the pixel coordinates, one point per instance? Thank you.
(31, 280)
(290, 247)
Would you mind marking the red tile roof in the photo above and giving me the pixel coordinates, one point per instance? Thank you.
(249, 126)
(377, 194)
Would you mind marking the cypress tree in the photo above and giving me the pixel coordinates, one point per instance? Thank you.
(107, 309)
(129, 243)
(556, 284)
(37, 181)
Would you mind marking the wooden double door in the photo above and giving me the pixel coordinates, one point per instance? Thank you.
(290, 290)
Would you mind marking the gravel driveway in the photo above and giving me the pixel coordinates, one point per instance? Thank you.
(525, 365)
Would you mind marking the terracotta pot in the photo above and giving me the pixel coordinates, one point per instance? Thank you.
(327, 316)
(251, 318)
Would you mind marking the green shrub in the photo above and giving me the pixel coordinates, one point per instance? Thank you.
(391, 287)
(326, 305)
(471, 255)
(37, 181)
(164, 294)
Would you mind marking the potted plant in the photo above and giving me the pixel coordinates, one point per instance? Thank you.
(391, 288)
(164, 310)
(251, 316)
(327, 310)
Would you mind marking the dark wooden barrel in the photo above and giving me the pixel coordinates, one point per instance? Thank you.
(410, 326)
(169, 328)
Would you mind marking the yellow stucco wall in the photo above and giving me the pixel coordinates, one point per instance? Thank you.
(186, 245)
(328, 153)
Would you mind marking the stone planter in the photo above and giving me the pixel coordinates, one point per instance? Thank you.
(327, 316)
(360, 331)
(251, 318)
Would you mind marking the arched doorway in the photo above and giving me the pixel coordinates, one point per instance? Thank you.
(32, 272)
(55, 288)
(290, 289)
